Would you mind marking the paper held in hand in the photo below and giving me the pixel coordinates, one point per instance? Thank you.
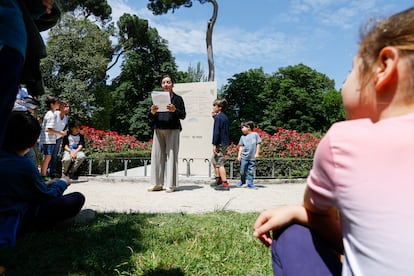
(161, 99)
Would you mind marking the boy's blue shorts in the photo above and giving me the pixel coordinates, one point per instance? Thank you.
(47, 149)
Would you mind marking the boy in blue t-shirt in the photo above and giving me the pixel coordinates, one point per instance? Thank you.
(249, 149)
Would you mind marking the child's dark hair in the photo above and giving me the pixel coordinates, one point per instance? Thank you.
(221, 103)
(49, 101)
(22, 132)
(74, 123)
(249, 124)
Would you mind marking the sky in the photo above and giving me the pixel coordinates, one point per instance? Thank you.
(268, 34)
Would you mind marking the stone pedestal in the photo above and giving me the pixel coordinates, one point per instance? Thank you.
(195, 141)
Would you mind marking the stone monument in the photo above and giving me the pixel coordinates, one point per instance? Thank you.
(195, 141)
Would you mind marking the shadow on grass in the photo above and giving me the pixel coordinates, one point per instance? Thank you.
(103, 247)
(164, 272)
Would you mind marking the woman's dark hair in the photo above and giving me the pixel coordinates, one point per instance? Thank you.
(168, 76)
(22, 132)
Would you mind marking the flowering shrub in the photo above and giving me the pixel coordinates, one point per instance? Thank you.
(284, 143)
(111, 142)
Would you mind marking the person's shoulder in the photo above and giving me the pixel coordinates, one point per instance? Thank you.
(350, 125)
(177, 96)
(223, 114)
(16, 162)
(49, 114)
(348, 132)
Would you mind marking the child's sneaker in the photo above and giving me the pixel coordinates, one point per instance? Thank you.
(239, 184)
(216, 182)
(223, 187)
(252, 186)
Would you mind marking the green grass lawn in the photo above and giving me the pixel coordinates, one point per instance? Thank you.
(216, 243)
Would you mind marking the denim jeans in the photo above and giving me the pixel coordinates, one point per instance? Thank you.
(247, 168)
(55, 157)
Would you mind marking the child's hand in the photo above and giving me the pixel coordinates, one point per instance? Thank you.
(215, 151)
(66, 179)
(274, 219)
(51, 182)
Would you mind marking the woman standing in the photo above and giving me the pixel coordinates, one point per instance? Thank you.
(166, 140)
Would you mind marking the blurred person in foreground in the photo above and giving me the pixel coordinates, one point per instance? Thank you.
(27, 202)
(13, 49)
(359, 195)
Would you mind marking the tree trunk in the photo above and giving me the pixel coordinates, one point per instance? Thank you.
(209, 36)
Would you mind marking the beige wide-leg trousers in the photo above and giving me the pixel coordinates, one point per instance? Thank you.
(164, 157)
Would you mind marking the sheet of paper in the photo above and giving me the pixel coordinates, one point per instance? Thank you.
(161, 99)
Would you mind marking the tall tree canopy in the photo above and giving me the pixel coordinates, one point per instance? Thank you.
(243, 95)
(98, 8)
(78, 55)
(163, 6)
(295, 97)
(146, 59)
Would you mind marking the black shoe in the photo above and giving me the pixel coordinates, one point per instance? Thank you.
(222, 187)
(73, 176)
(216, 183)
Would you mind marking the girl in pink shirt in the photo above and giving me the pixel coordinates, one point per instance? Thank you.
(359, 195)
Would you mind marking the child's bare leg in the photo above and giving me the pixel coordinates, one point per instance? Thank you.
(222, 174)
(45, 164)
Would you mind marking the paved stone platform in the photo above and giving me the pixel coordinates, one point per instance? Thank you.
(194, 195)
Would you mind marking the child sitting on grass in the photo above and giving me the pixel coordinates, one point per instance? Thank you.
(26, 201)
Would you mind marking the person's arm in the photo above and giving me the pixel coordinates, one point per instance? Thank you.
(52, 131)
(65, 143)
(240, 152)
(277, 218)
(325, 223)
(257, 154)
(216, 133)
(74, 153)
(48, 4)
(177, 106)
